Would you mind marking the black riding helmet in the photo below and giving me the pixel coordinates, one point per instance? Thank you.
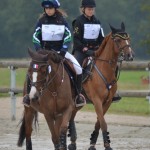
(88, 3)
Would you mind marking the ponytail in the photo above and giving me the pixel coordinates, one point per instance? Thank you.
(61, 12)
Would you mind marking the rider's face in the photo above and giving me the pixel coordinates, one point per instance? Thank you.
(50, 11)
(89, 11)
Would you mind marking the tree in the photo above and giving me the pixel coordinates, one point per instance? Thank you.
(146, 24)
(18, 19)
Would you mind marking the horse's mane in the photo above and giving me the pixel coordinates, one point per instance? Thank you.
(53, 55)
(102, 46)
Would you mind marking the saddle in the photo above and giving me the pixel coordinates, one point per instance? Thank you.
(87, 73)
(87, 69)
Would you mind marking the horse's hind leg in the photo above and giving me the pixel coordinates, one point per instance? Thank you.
(26, 128)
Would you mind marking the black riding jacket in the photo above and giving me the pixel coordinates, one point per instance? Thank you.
(78, 34)
(57, 19)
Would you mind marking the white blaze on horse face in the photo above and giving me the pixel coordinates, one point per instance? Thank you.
(128, 44)
(33, 88)
(130, 51)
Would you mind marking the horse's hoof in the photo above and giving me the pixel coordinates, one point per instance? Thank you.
(72, 147)
(108, 148)
(92, 148)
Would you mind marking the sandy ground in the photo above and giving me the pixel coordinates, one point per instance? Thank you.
(126, 132)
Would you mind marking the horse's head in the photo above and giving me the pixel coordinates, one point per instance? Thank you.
(122, 40)
(42, 63)
(37, 72)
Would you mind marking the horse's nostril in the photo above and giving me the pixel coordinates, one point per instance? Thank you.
(130, 58)
(35, 98)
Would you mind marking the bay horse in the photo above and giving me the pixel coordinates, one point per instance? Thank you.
(50, 84)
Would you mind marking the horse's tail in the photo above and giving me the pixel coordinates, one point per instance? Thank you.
(22, 131)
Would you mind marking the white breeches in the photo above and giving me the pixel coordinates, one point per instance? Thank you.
(75, 63)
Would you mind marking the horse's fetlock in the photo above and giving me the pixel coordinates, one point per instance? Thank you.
(94, 137)
(106, 139)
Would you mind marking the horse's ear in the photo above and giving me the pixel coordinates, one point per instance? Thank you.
(112, 28)
(123, 26)
(31, 52)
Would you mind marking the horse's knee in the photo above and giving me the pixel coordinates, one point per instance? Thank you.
(63, 129)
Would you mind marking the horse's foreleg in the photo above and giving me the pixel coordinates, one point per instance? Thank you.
(58, 122)
(99, 108)
(94, 135)
(72, 131)
(64, 127)
(55, 138)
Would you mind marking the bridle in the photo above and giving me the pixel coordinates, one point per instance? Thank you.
(45, 80)
(40, 64)
(123, 36)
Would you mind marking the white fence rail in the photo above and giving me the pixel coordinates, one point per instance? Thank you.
(13, 65)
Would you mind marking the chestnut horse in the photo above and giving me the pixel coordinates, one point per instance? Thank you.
(101, 85)
(51, 95)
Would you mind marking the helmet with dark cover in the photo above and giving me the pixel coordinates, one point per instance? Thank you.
(88, 3)
(50, 3)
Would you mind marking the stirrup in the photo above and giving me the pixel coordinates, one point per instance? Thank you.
(79, 102)
(116, 99)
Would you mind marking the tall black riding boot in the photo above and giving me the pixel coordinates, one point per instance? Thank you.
(26, 99)
(80, 99)
(116, 97)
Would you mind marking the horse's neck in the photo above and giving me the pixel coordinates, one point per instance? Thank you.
(108, 52)
(56, 76)
(109, 57)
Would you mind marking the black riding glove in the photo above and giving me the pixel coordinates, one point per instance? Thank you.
(90, 53)
(62, 53)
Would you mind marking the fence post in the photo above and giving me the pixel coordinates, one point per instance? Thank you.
(148, 69)
(149, 82)
(12, 94)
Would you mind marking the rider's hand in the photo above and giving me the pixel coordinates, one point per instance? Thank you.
(85, 49)
(90, 53)
(62, 53)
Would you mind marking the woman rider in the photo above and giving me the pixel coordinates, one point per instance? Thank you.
(52, 33)
(87, 33)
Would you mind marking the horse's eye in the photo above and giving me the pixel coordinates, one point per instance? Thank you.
(43, 70)
(29, 69)
(118, 40)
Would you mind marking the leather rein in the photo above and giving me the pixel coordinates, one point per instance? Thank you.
(45, 80)
(110, 62)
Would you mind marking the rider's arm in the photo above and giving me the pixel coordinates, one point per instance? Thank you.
(78, 35)
(36, 39)
(67, 38)
(101, 35)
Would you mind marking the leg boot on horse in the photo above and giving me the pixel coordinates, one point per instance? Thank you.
(72, 134)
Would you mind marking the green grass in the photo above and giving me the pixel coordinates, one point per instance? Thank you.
(128, 80)
(132, 80)
(5, 77)
(130, 106)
